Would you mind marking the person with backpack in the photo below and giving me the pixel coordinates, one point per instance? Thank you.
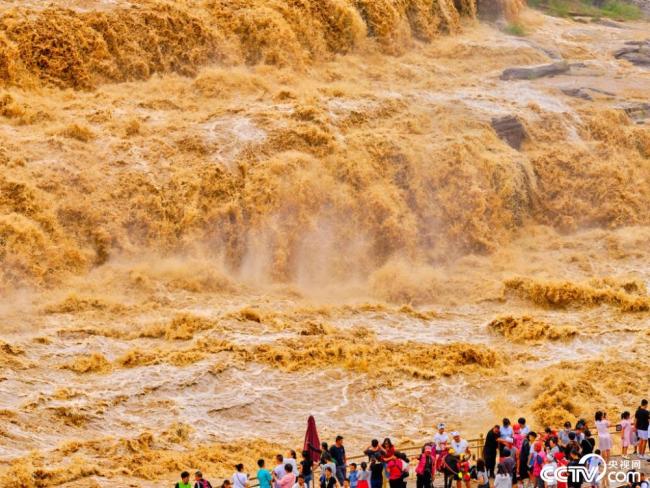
(185, 481)
(425, 469)
(200, 481)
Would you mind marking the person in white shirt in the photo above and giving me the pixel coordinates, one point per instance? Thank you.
(459, 445)
(503, 479)
(441, 439)
(240, 479)
(291, 459)
(523, 428)
(300, 482)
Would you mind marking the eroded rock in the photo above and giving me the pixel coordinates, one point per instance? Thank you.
(535, 72)
(510, 129)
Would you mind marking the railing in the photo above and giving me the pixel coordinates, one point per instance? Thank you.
(475, 447)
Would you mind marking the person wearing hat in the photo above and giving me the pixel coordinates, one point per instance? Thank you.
(458, 444)
(441, 439)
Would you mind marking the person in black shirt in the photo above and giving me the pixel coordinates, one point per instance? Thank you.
(337, 452)
(329, 481)
(587, 443)
(490, 449)
(641, 422)
(376, 472)
(306, 468)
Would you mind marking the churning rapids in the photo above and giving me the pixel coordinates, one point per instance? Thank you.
(220, 216)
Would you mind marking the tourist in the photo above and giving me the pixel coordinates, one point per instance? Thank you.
(395, 468)
(551, 466)
(363, 479)
(200, 481)
(353, 475)
(441, 439)
(324, 452)
(388, 450)
(594, 465)
(226, 484)
(522, 463)
(517, 436)
(588, 443)
(564, 434)
(502, 479)
(300, 482)
(425, 469)
(522, 426)
(328, 462)
(307, 468)
(291, 459)
(536, 463)
(373, 448)
(337, 451)
(289, 478)
(553, 448)
(561, 463)
(458, 444)
(263, 475)
(240, 479)
(185, 481)
(449, 467)
(604, 438)
(376, 472)
(490, 449)
(329, 480)
(482, 474)
(279, 471)
(641, 423)
(626, 433)
(571, 446)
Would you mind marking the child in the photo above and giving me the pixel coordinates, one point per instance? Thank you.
(353, 476)
(626, 433)
(551, 467)
(593, 465)
(482, 476)
(363, 479)
(185, 481)
(503, 478)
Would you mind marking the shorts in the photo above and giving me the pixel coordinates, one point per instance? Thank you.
(643, 434)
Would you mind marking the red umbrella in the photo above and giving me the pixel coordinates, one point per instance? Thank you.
(312, 442)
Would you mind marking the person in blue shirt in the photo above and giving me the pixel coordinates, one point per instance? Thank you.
(263, 475)
(353, 475)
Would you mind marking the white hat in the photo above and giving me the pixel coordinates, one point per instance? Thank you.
(454, 434)
(441, 425)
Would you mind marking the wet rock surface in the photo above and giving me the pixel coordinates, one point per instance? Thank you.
(534, 72)
(510, 129)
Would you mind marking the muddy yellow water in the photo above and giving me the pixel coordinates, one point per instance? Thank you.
(219, 217)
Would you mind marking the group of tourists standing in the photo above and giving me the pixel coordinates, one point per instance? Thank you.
(513, 455)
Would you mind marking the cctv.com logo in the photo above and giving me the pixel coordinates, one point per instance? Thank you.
(591, 469)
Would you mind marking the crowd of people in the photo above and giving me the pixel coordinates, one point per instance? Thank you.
(513, 455)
